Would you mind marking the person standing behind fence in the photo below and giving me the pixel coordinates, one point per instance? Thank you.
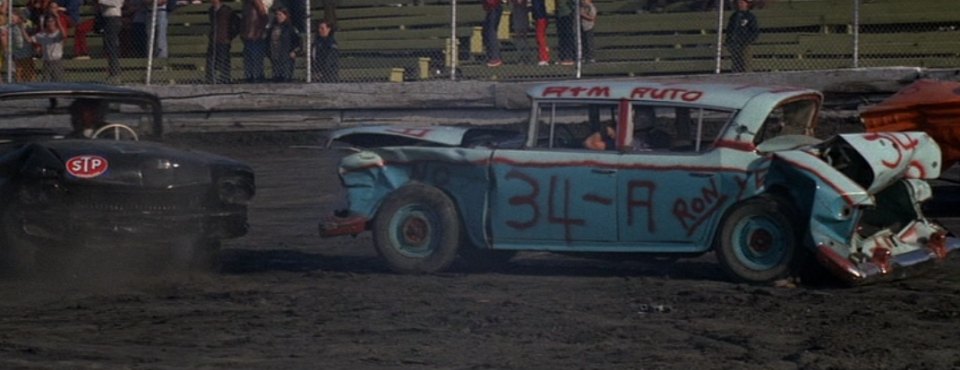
(51, 41)
(254, 35)
(284, 45)
(326, 54)
(742, 30)
(491, 22)
(110, 10)
(71, 18)
(520, 27)
(22, 50)
(223, 28)
(566, 35)
(159, 28)
(588, 19)
(539, 8)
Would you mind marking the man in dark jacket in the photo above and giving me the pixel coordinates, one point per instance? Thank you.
(326, 54)
(284, 45)
(742, 30)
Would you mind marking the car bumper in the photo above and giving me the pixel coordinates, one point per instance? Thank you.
(343, 223)
(882, 268)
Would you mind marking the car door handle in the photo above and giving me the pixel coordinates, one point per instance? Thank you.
(700, 174)
(604, 171)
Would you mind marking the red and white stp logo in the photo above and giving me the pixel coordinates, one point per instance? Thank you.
(87, 166)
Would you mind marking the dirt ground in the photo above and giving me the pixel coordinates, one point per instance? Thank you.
(287, 299)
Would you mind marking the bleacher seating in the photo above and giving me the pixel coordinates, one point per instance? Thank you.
(379, 37)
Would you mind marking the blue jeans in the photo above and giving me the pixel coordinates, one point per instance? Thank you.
(160, 40)
(254, 52)
(490, 41)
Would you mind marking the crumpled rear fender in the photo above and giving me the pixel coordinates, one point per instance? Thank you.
(370, 176)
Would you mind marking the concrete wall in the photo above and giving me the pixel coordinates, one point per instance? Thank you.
(325, 106)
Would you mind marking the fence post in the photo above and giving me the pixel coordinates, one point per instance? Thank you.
(720, 5)
(308, 48)
(8, 51)
(856, 33)
(452, 54)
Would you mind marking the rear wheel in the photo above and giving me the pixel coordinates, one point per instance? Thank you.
(758, 242)
(417, 229)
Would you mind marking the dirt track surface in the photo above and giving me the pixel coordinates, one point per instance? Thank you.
(288, 299)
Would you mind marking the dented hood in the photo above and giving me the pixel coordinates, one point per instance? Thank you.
(872, 161)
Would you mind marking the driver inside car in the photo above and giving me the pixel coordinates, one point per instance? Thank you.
(86, 116)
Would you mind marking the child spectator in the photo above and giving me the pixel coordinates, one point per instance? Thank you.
(588, 19)
(70, 17)
(21, 50)
(284, 42)
(51, 41)
(540, 20)
(566, 31)
(326, 54)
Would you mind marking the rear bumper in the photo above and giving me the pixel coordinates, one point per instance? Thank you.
(342, 223)
(890, 268)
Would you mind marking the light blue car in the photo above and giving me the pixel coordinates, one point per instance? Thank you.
(688, 168)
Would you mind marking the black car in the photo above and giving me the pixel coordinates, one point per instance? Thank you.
(81, 168)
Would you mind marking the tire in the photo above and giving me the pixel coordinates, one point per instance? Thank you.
(417, 230)
(758, 240)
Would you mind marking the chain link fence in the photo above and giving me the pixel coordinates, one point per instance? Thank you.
(254, 41)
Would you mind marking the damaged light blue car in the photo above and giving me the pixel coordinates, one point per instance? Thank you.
(687, 169)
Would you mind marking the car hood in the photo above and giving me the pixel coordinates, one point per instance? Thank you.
(872, 160)
(130, 163)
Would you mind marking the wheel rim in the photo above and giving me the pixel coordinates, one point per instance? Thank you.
(761, 244)
(412, 231)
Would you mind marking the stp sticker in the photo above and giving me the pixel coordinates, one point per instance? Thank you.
(87, 166)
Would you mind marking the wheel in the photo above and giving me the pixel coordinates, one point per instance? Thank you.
(758, 241)
(417, 230)
(117, 128)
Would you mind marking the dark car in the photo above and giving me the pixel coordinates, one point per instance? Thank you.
(81, 168)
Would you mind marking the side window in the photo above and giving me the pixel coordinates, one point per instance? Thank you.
(562, 125)
(676, 129)
(793, 118)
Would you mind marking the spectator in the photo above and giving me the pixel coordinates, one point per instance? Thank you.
(223, 30)
(51, 41)
(70, 18)
(326, 54)
(134, 42)
(539, 8)
(21, 50)
(160, 27)
(520, 27)
(110, 11)
(566, 42)
(284, 45)
(491, 23)
(254, 36)
(588, 19)
(742, 30)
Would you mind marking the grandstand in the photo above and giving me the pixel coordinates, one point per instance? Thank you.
(408, 40)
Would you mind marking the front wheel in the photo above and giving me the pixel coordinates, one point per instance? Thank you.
(417, 230)
(758, 241)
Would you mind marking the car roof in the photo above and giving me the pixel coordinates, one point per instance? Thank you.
(719, 95)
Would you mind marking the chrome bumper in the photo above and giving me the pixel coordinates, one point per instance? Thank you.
(882, 268)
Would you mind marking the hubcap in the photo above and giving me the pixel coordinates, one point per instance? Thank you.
(760, 242)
